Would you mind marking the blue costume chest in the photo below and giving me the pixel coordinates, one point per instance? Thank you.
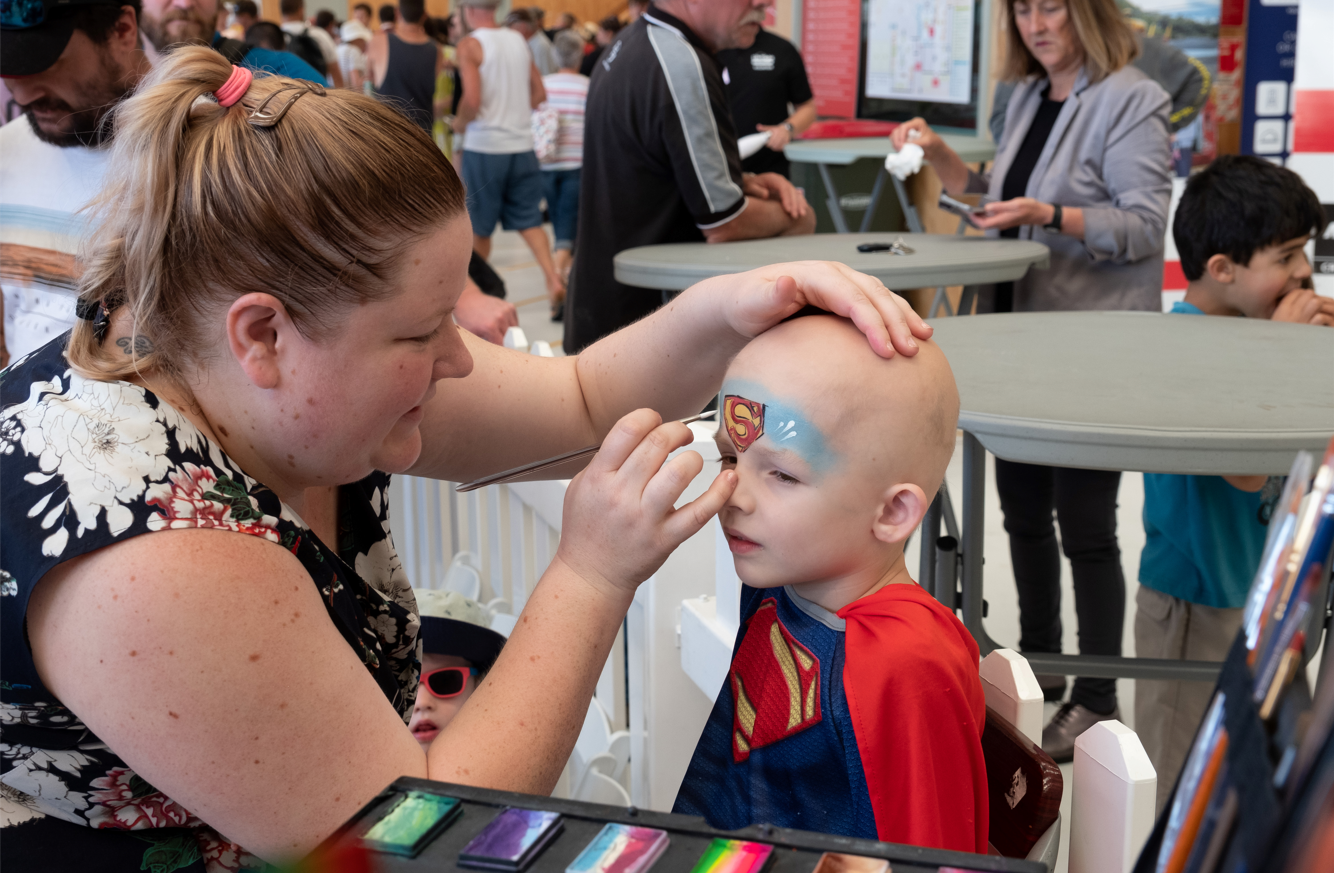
(812, 777)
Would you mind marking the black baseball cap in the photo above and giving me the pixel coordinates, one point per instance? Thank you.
(33, 33)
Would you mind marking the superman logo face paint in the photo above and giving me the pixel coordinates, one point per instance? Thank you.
(744, 420)
(775, 685)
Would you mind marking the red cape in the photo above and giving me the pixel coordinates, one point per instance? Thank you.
(918, 711)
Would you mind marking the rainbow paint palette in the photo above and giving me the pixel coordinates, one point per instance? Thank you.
(512, 840)
(423, 826)
(734, 856)
(621, 848)
(414, 821)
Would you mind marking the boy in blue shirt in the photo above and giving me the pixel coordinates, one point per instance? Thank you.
(1241, 229)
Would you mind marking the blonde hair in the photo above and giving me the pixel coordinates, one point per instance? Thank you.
(201, 205)
(1104, 35)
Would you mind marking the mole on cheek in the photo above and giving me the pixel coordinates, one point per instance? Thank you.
(222, 430)
(255, 657)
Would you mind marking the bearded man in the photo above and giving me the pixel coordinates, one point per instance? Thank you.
(66, 66)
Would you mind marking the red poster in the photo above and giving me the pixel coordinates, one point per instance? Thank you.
(831, 46)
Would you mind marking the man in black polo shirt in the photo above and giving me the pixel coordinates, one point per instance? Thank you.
(660, 158)
(762, 81)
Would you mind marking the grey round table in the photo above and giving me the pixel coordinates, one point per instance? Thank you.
(825, 153)
(841, 152)
(936, 259)
(1129, 391)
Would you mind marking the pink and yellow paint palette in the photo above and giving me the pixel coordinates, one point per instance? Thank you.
(733, 856)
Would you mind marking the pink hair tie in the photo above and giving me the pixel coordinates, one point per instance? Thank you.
(235, 87)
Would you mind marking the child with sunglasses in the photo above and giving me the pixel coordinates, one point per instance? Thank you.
(458, 648)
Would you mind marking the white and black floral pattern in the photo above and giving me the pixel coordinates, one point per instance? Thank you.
(88, 463)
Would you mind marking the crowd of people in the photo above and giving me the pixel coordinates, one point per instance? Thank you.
(506, 100)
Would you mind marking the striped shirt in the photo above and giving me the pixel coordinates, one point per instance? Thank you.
(567, 93)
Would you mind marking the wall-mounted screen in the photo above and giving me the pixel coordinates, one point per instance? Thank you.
(920, 50)
(921, 57)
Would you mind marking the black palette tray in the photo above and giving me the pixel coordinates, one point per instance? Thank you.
(795, 851)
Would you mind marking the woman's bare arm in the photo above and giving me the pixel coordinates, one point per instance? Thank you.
(207, 660)
(516, 408)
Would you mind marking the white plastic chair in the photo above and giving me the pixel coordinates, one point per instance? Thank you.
(464, 576)
(597, 784)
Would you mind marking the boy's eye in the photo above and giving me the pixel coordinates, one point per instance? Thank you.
(426, 338)
(785, 478)
(728, 460)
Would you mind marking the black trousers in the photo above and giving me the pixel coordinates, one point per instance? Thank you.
(1085, 506)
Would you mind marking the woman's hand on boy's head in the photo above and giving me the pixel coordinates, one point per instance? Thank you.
(1304, 306)
(619, 522)
(762, 298)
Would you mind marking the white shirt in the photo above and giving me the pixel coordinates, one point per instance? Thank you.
(42, 187)
(351, 59)
(504, 124)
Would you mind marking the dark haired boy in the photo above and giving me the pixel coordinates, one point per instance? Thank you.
(1241, 229)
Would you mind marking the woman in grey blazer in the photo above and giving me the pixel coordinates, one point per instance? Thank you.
(1083, 166)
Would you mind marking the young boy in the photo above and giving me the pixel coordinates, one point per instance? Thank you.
(853, 705)
(1240, 228)
(458, 648)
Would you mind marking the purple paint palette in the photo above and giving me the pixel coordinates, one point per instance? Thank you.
(512, 840)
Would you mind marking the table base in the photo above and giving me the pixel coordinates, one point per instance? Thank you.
(939, 570)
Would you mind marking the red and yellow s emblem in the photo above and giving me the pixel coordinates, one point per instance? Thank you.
(775, 684)
(744, 420)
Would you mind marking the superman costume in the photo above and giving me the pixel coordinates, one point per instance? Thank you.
(867, 723)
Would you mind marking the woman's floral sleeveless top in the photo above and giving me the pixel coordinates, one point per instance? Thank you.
(84, 464)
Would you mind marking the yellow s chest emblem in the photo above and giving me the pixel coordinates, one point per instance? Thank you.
(775, 684)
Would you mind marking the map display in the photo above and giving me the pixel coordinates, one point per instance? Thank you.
(920, 50)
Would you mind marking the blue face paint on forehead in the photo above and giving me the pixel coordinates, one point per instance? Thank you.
(784, 426)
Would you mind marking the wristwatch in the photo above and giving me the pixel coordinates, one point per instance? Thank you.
(1055, 224)
(787, 125)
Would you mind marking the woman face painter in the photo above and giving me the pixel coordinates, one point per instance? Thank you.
(210, 647)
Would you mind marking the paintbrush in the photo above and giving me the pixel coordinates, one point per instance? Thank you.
(510, 475)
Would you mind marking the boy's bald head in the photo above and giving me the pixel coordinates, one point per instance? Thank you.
(896, 418)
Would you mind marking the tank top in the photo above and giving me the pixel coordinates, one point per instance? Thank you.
(88, 464)
(409, 78)
(503, 125)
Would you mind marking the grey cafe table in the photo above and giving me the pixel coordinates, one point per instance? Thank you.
(936, 259)
(825, 153)
(1127, 391)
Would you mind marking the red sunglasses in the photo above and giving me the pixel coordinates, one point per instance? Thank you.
(447, 682)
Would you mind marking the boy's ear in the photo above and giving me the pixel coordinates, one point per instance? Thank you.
(900, 513)
(1221, 269)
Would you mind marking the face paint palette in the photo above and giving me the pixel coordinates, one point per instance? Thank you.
(413, 822)
(734, 856)
(418, 825)
(621, 848)
(512, 840)
(837, 862)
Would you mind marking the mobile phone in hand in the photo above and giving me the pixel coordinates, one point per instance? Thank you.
(958, 207)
